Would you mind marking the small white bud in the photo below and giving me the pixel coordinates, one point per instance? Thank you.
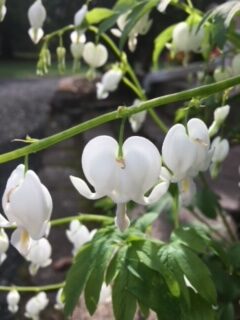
(13, 299)
(36, 16)
(80, 15)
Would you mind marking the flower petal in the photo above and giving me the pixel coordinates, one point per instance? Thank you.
(158, 191)
(84, 190)
(21, 241)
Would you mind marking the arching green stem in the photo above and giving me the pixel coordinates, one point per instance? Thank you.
(42, 144)
(50, 287)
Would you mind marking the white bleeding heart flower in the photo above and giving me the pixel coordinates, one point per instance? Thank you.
(36, 16)
(122, 178)
(137, 119)
(141, 28)
(59, 305)
(95, 55)
(220, 149)
(109, 83)
(163, 4)
(13, 298)
(4, 245)
(220, 114)
(80, 15)
(35, 305)
(39, 255)
(3, 10)
(78, 235)
(77, 37)
(186, 38)
(27, 204)
(186, 152)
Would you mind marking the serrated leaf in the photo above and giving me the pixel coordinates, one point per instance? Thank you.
(155, 264)
(124, 303)
(207, 202)
(168, 259)
(77, 277)
(196, 272)
(136, 14)
(97, 15)
(159, 44)
(145, 221)
(96, 277)
(115, 264)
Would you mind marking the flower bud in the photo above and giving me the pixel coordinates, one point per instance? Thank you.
(39, 255)
(95, 55)
(35, 305)
(36, 16)
(3, 10)
(59, 305)
(78, 235)
(80, 15)
(137, 119)
(220, 114)
(13, 299)
(61, 56)
(109, 83)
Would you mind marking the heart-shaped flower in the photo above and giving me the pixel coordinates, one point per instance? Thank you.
(95, 55)
(124, 178)
(36, 16)
(28, 205)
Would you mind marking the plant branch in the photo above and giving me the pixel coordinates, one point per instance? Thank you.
(45, 143)
(50, 287)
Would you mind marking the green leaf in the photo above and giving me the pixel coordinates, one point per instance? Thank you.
(227, 312)
(115, 264)
(98, 15)
(159, 44)
(234, 256)
(77, 277)
(207, 202)
(145, 221)
(124, 5)
(124, 303)
(155, 264)
(96, 277)
(108, 23)
(200, 309)
(136, 14)
(196, 272)
(191, 238)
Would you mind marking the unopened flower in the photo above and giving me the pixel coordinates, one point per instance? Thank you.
(122, 177)
(36, 16)
(109, 83)
(220, 114)
(141, 28)
(186, 152)
(28, 205)
(59, 305)
(3, 9)
(4, 244)
(39, 255)
(78, 235)
(163, 4)
(95, 55)
(220, 149)
(13, 298)
(186, 38)
(80, 15)
(35, 305)
(137, 119)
